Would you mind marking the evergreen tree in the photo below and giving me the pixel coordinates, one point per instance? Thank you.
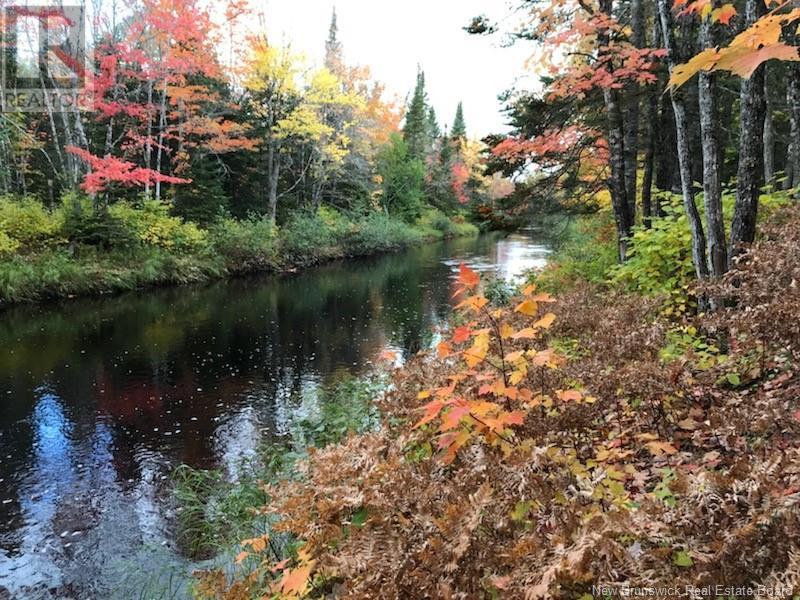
(334, 60)
(415, 132)
(459, 125)
(434, 132)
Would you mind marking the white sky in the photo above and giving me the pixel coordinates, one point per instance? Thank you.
(391, 37)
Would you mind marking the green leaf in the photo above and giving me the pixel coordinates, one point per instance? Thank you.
(734, 379)
(682, 559)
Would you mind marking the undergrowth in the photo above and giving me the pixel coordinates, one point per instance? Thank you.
(536, 455)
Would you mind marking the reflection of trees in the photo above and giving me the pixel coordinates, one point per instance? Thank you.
(141, 358)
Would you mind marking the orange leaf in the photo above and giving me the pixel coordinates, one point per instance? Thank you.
(661, 448)
(467, 277)
(295, 581)
(461, 335)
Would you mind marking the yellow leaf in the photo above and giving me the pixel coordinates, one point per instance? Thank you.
(529, 307)
(546, 321)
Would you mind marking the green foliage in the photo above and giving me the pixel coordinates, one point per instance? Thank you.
(687, 343)
(499, 291)
(585, 250)
(245, 245)
(205, 199)
(403, 179)
(379, 233)
(417, 126)
(8, 245)
(25, 224)
(660, 258)
(152, 225)
(125, 246)
(459, 124)
(85, 224)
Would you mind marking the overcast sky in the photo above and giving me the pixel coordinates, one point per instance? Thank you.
(392, 37)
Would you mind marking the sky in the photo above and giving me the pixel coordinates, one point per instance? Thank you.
(392, 37)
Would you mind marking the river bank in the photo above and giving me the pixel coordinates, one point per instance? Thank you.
(70, 252)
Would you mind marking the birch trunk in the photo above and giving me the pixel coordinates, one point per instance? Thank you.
(684, 151)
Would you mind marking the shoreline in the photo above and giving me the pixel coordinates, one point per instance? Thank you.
(199, 269)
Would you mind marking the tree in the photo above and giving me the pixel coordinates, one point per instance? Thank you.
(275, 97)
(459, 130)
(334, 59)
(416, 131)
(402, 176)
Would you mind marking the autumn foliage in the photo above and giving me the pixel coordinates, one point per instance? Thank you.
(543, 453)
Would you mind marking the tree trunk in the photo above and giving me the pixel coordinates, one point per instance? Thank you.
(712, 182)
(650, 138)
(632, 115)
(769, 133)
(684, 151)
(273, 176)
(793, 100)
(751, 149)
(616, 147)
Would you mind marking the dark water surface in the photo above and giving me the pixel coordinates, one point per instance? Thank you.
(100, 399)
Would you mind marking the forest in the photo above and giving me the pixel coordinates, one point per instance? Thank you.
(623, 420)
(196, 165)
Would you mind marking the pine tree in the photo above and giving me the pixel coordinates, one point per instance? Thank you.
(459, 125)
(334, 61)
(415, 131)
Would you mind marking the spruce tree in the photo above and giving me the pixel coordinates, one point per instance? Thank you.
(334, 61)
(459, 125)
(415, 132)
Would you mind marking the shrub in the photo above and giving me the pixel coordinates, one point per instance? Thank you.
(585, 249)
(245, 245)
(152, 225)
(660, 258)
(8, 245)
(306, 239)
(27, 222)
(379, 233)
(82, 223)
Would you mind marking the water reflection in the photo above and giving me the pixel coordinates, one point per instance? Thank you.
(100, 399)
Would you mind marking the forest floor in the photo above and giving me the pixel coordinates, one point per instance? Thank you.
(569, 447)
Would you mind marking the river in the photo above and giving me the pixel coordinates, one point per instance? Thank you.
(100, 399)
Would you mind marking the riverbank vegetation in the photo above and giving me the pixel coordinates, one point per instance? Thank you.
(71, 251)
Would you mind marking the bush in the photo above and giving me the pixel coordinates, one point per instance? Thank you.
(306, 239)
(660, 258)
(152, 225)
(379, 233)
(585, 249)
(8, 245)
(245, 245)
(27, 222)
(82, 223)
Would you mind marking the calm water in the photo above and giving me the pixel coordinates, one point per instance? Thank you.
(100, 399)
